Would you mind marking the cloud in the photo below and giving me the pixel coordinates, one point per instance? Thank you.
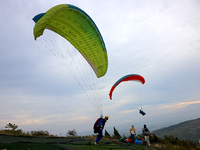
(79, 118)
(129, 111)
(179, 105)
(51, 119)
(33, 122)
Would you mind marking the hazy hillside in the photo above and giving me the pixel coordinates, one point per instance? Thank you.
(188, 130)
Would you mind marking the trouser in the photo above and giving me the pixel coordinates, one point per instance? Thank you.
(133, 138)
(146, 137)
(99, 136)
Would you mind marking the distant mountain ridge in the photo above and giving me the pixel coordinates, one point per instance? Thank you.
(188, 130)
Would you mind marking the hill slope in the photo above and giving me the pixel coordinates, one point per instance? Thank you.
(188, 130)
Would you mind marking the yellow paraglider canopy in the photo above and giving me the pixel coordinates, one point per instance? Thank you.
(77, 27)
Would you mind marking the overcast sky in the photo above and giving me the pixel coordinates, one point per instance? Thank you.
(159, 40)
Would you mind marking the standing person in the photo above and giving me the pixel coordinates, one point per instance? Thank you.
(133, 133)
(100, 126)
(146, 133)
(155, 138)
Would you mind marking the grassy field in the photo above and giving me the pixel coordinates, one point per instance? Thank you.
(9, 142)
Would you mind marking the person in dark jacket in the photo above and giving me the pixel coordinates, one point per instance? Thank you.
(146, 132)
(142, 112)
(100, 125)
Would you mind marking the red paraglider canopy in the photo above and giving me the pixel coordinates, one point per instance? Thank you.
(130, 77)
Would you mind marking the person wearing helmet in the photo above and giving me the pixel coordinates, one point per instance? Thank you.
(142, 112)
(100, 125)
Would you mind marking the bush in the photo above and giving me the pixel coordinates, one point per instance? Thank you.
(12, 132)
(71, 132)
(40, 133)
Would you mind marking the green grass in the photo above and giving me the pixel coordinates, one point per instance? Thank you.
(32, 146)
(45, 146)
(65, 143)
(57, 146)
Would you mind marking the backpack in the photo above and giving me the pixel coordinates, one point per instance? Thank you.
(146, 131)
(96, 129)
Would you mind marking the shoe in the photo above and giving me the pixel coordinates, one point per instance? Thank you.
(95, 143)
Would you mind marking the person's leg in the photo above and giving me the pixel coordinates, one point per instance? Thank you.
(147, 139)
(132, 137)
(99, 136)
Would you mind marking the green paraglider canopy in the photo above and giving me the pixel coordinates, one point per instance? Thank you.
(77, 27)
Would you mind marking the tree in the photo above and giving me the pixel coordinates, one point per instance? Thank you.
(12, 126)
(107, 134)
(71, 132)
(116, 133)
(40, 133)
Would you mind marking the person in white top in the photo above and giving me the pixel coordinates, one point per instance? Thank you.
(133, 133)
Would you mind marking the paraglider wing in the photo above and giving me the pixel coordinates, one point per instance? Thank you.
(130, 77)
(78, 28)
